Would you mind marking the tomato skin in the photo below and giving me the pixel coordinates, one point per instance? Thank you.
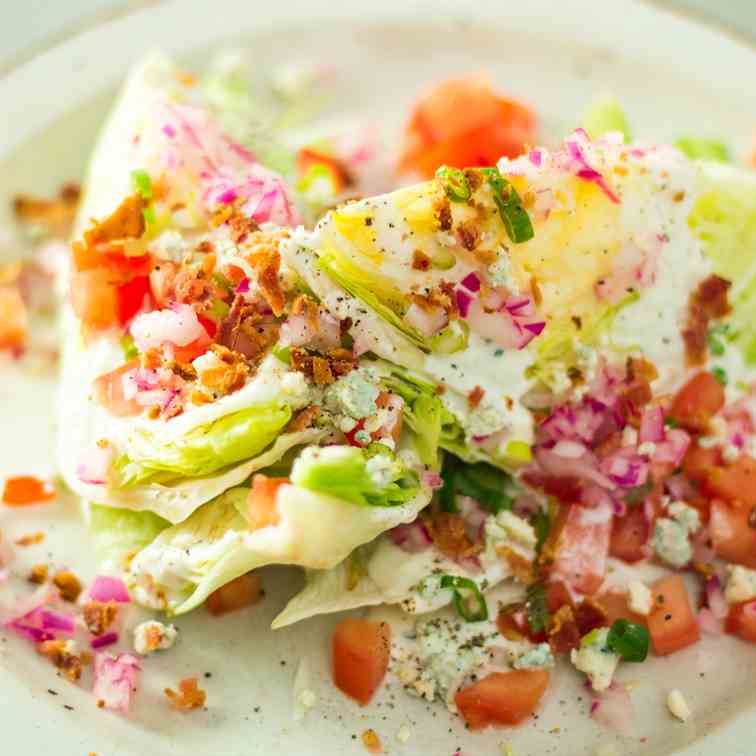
(734, 482)
(24, 490)
(462, 122)
(671, 623)
(732, 537)
(557, 596)
(615, 605)
(582, 548)
(242, 591)
(698, 401)
(261, 501)
(360, 657)
(108, 392)
(502, 698)
(131, 298)
(741, 621)
(630, 534)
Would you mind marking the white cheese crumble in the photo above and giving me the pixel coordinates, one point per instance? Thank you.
(153, 636)
(509, 530)
(640, 598)
(354, 394)
(678, 706)
(595, 659)
(671, 538)
(741, 585)
(538, 657)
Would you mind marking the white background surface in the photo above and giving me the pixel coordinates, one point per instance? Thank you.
(27, 25)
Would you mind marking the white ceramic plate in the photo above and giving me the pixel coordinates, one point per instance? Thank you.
(673, 76)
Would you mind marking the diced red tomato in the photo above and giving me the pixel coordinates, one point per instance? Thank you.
(630, 534)
(582, 548)
(108, 392)
(557, 596)
(240, 592)
(162, 279)
(672, 624)
(615, 606)
(128, 266)
(700, 462)
(360, 657)
(93, 298)
(464, 123)
(741, 621)
(733, 536)
(351, 435)
(393, 426)
(735, 482)
(512, 622)
(698, 401)
(502, 698)
(131, 298)
(24, 490)
(261, 501)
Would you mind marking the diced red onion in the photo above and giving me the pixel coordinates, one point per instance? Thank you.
(106, 588)
(106, 639)
(178, 325)
(431, 479)
(471, 282)
(569, 449)
(708, 623)
(715, 597)
(41, 624)
(625, 468)
(428, 321)
(243, 287)
(464, 300)
(411, 537)
(652, 425)
(673, 448)
(115, 680)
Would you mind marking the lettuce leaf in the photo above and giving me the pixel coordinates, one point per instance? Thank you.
(120, 533)
(697, 148)
(202, 451)
(188, 561)
(724, 219)
(367, 477)
(380, 296)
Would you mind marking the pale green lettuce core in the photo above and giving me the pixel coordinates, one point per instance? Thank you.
(120, 533)
(697, 148)
(724, 218)
(372, 476)
(204, 450)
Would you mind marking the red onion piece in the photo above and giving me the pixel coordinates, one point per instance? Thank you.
(105, 588)
(106, 639)
(115, 680)
(412, 537)
(652, 425)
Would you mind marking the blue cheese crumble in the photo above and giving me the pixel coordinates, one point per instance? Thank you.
(538, 657)
(595, 659)
(355, 394)
(671, 538)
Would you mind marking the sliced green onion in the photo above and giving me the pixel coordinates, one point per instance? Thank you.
(485, 484)
(149, 215)
(629, 640)
(142, 183)
(541, 522)
(129, 348)
(537, 607)
(513, 214)
(714, 339)
(456, 185)
(283, 353)
(219, 309)
(720, 374)
(468, 600)
(671, 422)
(451, 339)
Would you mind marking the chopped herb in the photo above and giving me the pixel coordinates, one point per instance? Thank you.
(129, 348)
(485, 484)
(468, 600)
(513, 214)
(628, 639)
(456, 185)
(283, 353)
(671, 422)
(142, 184)
(714, 339)
(541, 522)
(720, 374)
(219, 309)
(537, 608)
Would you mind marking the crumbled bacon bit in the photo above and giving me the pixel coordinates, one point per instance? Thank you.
(199, 397)
(241, 227)
(590, 615)
(99, 616)
(59, 653)
(303, 420)
(30, 540)
(125, 222)
(420, 261)
(447, 531)
(246, 330)
(443, 213)
(563, 631)
(242, 591)
(68, 585)
(206, 246)
(372, 742)
(475, 397)
(535, 290)
(38, 574)
(14, 322)
(678, 196)
(262, 252)
(467, 233)
(190, 695)
(521, 567)
(307, 306)
(26, 489)
(208, 263)
(321, 372)
(56, 214)
(707, 302)
(228, 377)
